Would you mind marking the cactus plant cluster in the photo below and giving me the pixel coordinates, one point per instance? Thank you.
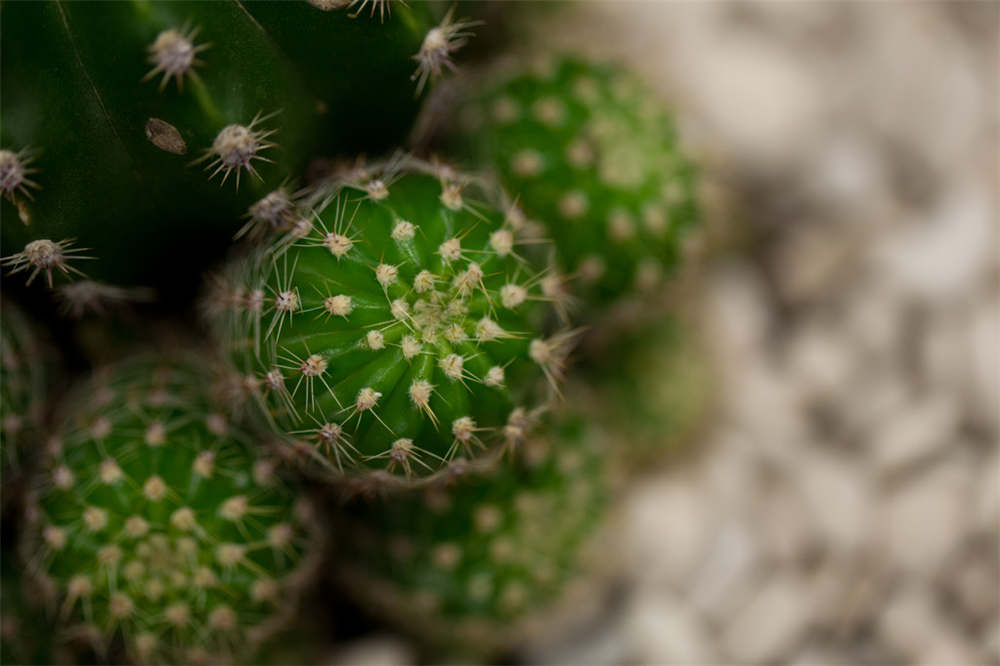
(383, 330)
(160, 522)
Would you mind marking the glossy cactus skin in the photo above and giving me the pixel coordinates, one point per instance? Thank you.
(483, 561)
(25, 370)
(155, 522)
(397, 331)
(111, 103)
(594, 156)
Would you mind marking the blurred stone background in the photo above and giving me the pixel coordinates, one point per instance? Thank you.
(844, 505)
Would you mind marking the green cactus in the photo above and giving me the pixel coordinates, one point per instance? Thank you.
(154, 522)
(25, 370)
(141, 130)
(482, 562)
(397, 330)
(650, 389)
(594, 156)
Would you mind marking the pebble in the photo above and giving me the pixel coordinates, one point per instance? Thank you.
(771, 623)
(663, 630)
(915, 432)
(921, 522)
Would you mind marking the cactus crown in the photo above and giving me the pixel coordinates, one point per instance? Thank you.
(154, 521)
(401, 328)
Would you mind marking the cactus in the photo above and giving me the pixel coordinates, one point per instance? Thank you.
(153, 521)
(142, 130)
(650, 389)
(398, 329)
(25, 370)
(594, 156)
(481, 563)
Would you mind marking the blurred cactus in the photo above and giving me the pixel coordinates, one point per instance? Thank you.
(473, 565)
(153, 521)
(593, 155)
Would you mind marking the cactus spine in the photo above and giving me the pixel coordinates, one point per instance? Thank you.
(154, 521)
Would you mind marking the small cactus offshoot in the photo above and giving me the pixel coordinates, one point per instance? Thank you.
(593, 155)
(400, 329)
(481, 561)
(153, 521)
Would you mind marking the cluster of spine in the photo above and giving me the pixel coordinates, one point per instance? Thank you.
(593, 155)
(397, 327)
(24, 368)
(476, 563)
(155, 520)
(185, 93)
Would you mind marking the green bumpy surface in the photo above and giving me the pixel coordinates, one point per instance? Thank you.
(593, 155)
(153, 521)
(24, 368)
(485, 560)
(106, 127)
(397, 331)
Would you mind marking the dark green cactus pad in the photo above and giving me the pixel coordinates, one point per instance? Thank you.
(593, 155)
(121, 120)
(154, 522)
(478, 562)
(398, 329)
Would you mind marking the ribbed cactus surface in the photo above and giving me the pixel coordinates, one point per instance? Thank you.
(155, 521)
(471, 565)
(593, 155)
(143, 129)
(399, 328)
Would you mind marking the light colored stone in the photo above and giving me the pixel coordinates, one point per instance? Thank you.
(942, 257)
(873, 318)
(374, 651)
(760, 400)
(737, 313)
(729, 571)
(784, 523)
(669, 524)
(921, 523)
(910, 621)
(816, 656)
(916, 432)
(663, 630)
(839, 496)
(821, 361)
(768, 627)
(975, 582)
